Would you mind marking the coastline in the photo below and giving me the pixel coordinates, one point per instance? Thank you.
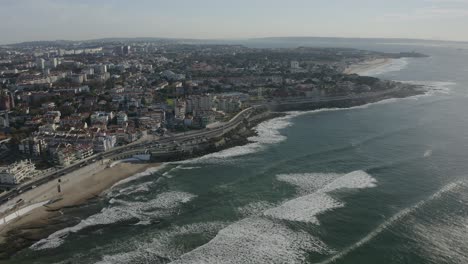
(368, 65)
(87, 183)
(76, 190)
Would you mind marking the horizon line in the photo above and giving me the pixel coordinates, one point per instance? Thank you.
(240, 38)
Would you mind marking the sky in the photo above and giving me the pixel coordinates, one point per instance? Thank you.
(29, 20)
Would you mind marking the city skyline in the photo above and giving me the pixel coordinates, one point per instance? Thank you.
(82, 20)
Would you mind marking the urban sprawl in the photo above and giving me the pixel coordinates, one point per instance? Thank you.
(63, 102)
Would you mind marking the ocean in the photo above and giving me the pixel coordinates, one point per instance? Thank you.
(380, 183)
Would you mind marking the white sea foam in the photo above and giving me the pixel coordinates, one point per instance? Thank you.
(163, 244)
(256, 240)
(111, 192)
(306, 208)
(354, 180)
(393, 66)
(268, 133)
(307, 183)
(121, 210)
(189, 168)
(143, 187)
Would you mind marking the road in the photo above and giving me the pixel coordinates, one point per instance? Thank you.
(205, 134)
(120, 151)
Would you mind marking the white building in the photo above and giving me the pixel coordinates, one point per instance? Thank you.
(16, 172)
(40, 63)
(101, 117)
(102, 144)
(54, 62)
(122, 118)
(295, 65)
(83, 151)
(180, 109)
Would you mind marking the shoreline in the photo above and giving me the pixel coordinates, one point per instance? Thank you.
(368, 65)
(76, 190)
(92, 181)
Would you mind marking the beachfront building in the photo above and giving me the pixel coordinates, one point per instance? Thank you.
(104, 143)
(17, 172)
(66, 154)
(84, 151)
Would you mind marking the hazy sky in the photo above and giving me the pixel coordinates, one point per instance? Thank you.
(25, 20)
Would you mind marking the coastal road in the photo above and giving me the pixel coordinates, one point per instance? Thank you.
(130, 148)
(204, 134)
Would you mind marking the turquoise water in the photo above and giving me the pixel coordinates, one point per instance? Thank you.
(381, 183)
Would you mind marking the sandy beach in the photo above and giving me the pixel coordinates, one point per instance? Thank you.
(76, 188)
(366, 66)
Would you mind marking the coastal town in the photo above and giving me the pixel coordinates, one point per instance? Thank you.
(66, 106)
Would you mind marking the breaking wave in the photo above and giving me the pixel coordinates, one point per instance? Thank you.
(140, 188)
(306, 208)
(307, 183)
(256, 240)
(163, 205)
(262, 238)
(268, 133)
(189, 168)
(162, 245)
(140, 175)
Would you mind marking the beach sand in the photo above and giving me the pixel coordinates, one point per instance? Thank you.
(366, 66)
(76, 189)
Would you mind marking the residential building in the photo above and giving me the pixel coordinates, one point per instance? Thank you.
(83, 151)
(122, 118)
(63, 154)
(104, 143)
(33, 146)
(17, 172)
(40, 63)
(180, 109)
(295, 65)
